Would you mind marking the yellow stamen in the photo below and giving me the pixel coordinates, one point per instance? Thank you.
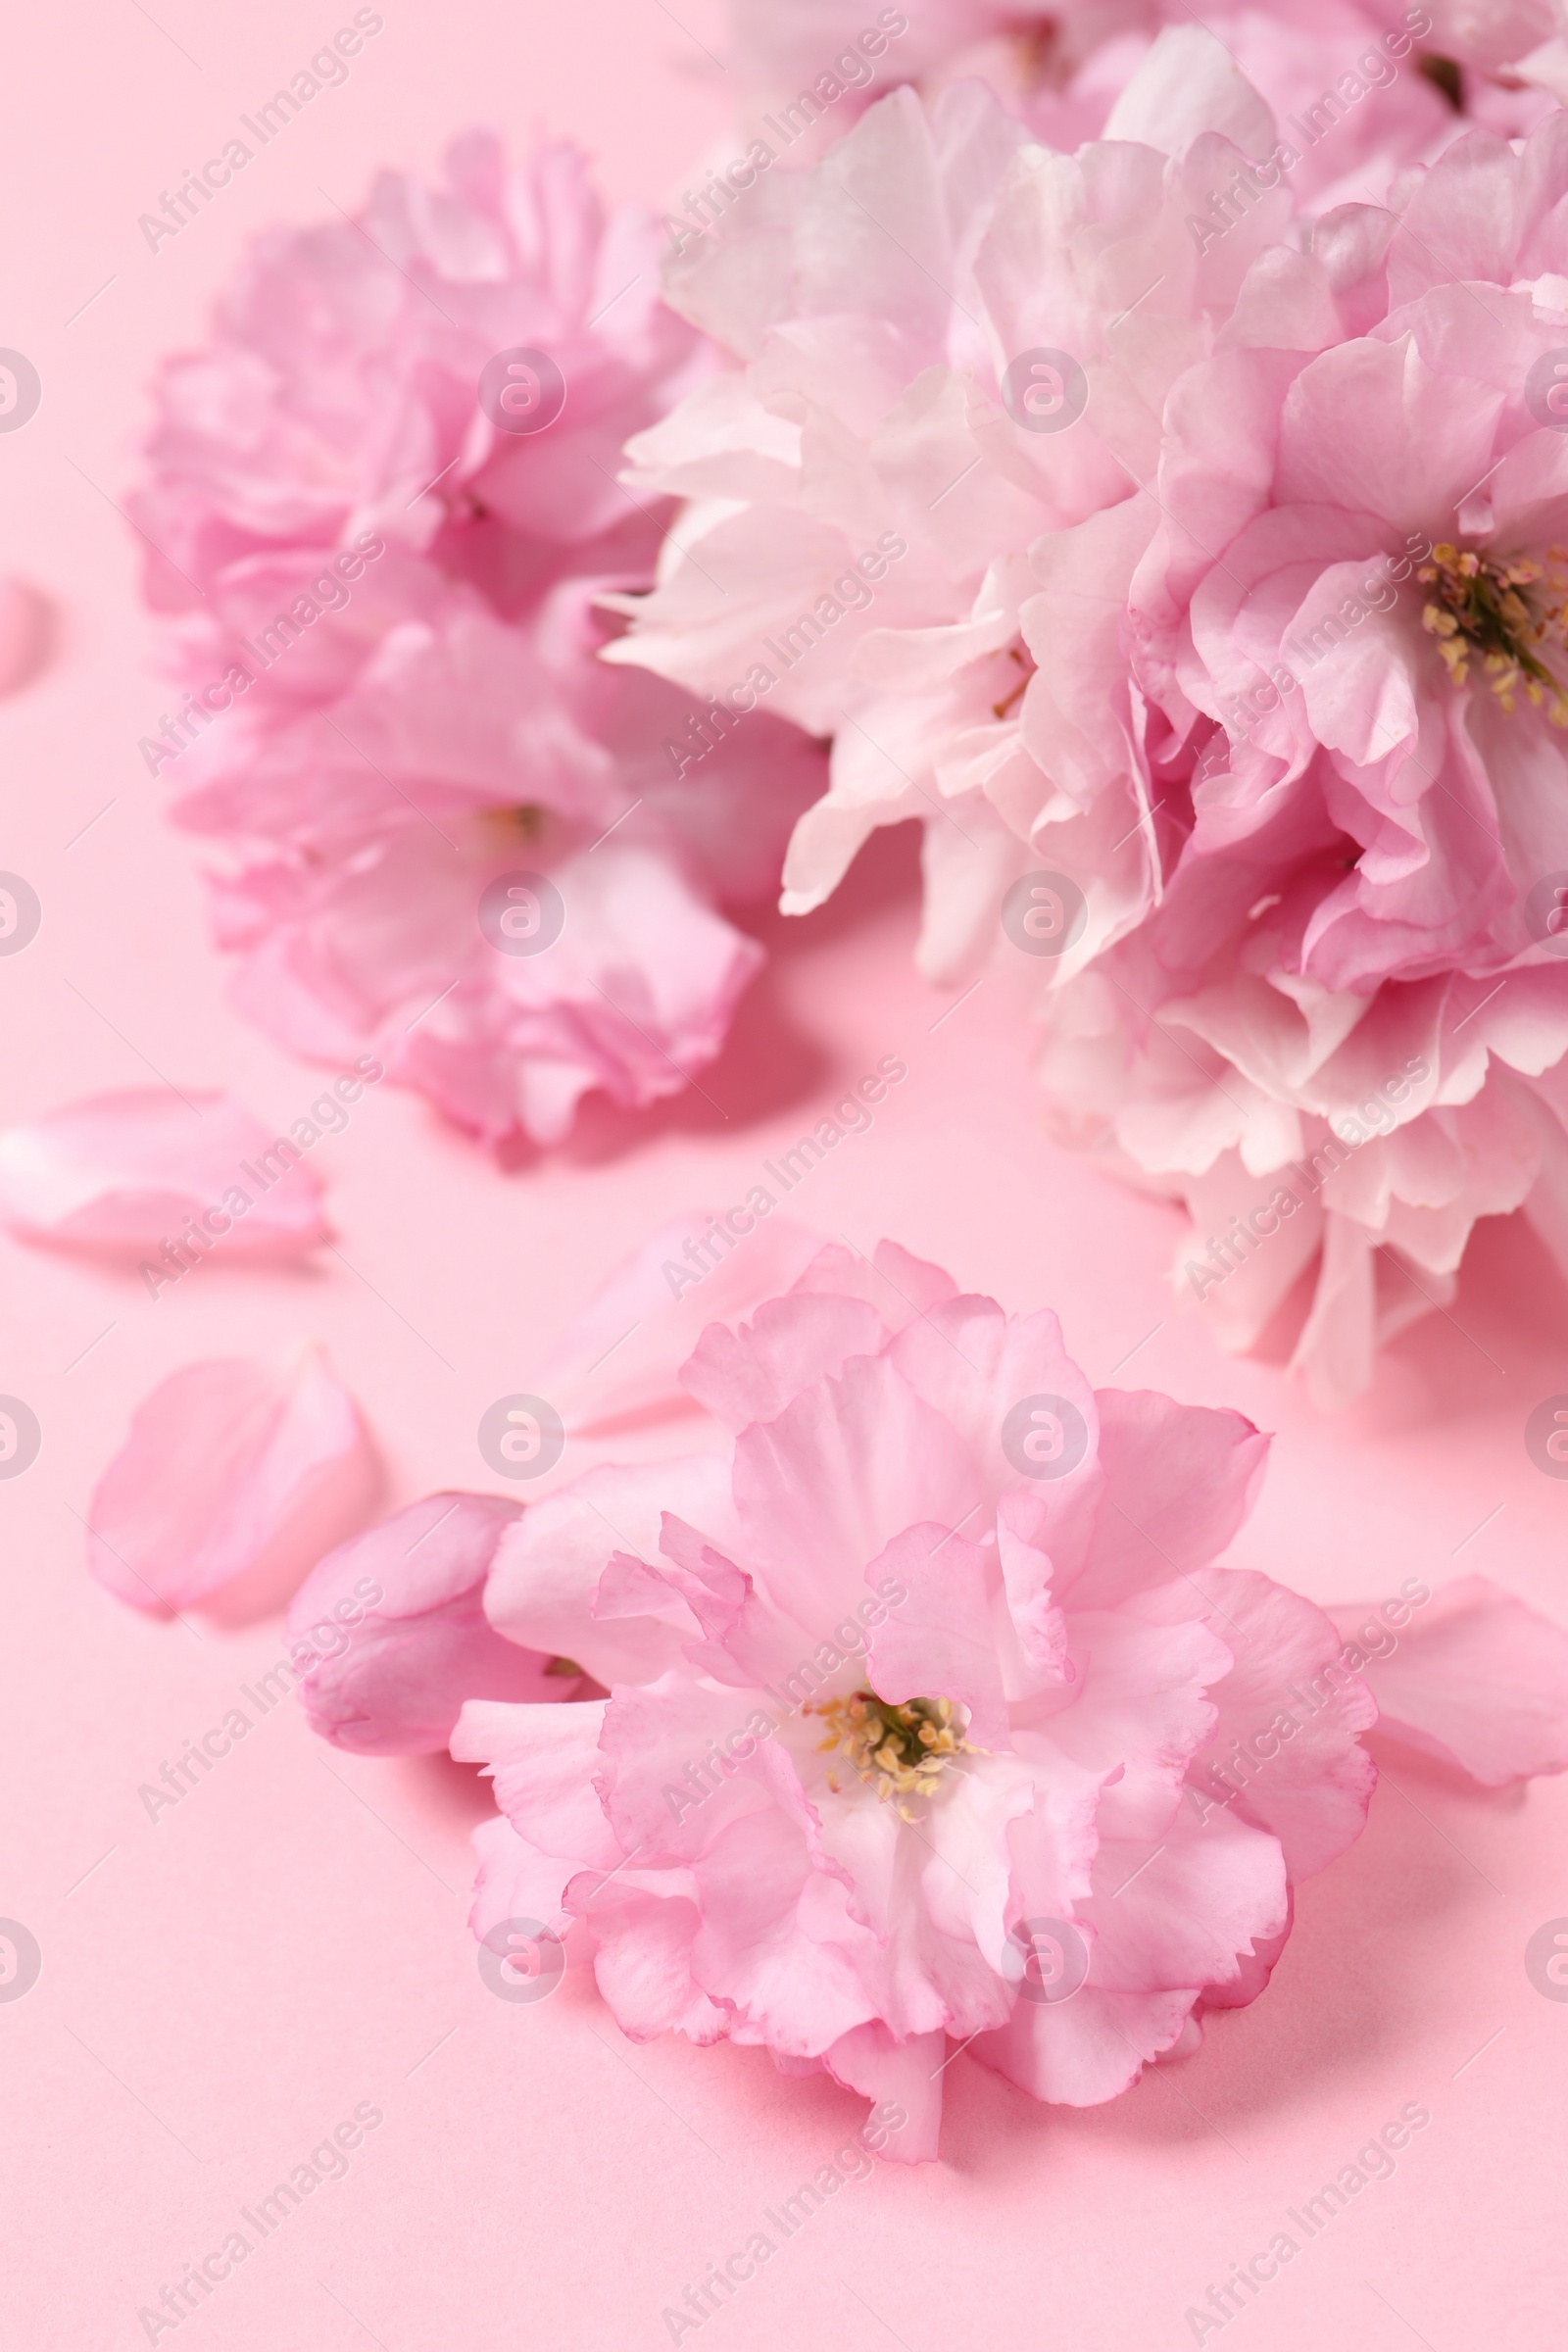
(1481, 608)
(900, 1751)
(525, 822)
(1016, 694)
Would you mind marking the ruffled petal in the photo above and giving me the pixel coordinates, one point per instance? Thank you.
(904, 2082)
(550, 1588)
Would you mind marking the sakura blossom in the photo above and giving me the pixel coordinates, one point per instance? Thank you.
(934, 1718)
(384, 599)
(1258, 640)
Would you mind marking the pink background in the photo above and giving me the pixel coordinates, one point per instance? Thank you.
(221, 1988)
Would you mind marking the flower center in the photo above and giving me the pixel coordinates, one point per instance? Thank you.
(502, 832)
(902, 1752)
(1499, 611)
(525, 822)
(1016, 688)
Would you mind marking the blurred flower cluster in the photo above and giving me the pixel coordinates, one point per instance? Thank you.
(1139, 447)
(1225, 671)
(451, 834)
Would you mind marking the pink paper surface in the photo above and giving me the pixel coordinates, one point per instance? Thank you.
(224, 1984)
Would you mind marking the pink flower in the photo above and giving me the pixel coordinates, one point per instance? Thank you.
(397, 723)
(1333, 1152)
(395, 1622)
(237, 1475)
(340, 391)
(1266, 441)
(925, 1709)
(1222, 651)
(1062, 61)
(1354, 966)
(1391, 715)
(865, 499)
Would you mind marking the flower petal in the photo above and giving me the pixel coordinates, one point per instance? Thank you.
(26, 628)
(902, 2079)
(1180, 1479)
(542, 1760)
(395, 1619)
(551, 1588)
(1079, 2053)
(1479, 1680)
(752, 1374)
(127, 1173)
(938, 1643)
(237, 1476)
(1285, 1751)
(622, 1354)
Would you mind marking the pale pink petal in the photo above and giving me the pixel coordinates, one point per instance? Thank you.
(1141, 1704)
(663, 1792)
(551, 1588)
(1285, 1751)
(1079, 2053)
(776, 1935)
(26, 631)
(752, 1374)
(643, 1938)
(542, 1760)
(395, 1618)
(902, 2080)
(899, 1286)
(1185, 1909)
(517, 1881)
(1476, 1679)
(824, 1488)
(1179, 1481)
(622, 1355)
(237, 1475)
(934, 1893)
(1253, 1969)
(1027, 1412)
(1189, 83)
(940, 1637)
(129, 1174)
(1027, 1575)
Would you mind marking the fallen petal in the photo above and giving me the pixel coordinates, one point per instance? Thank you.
(622, 1354)
(1476, 1680)
(26, 631)
(131, 1174)
(233, 1469)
